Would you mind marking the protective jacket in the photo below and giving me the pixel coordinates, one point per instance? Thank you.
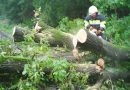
(98, 22)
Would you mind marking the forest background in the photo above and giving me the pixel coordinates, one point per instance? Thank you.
(66, 16)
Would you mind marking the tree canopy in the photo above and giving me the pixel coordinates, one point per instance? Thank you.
(54, 10)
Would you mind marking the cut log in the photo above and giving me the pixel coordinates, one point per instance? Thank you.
(81, 36)
(12, 61)
(37, 27)
(115, 74)
(52, 37)
(16, 65)
(89, 43)
(20, 33)
(55, 38)
(100, 46)
(83, 40)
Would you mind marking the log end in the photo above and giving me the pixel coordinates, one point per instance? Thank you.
(18, 34)
(81, 36)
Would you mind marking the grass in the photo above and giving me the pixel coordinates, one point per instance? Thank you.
(5, 26)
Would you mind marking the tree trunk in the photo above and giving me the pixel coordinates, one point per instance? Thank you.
(91, 69)
(55, 38)
(52, 37)
(18, 34)
(83, 41)
(98, 45)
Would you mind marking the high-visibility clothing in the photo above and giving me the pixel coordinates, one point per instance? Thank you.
(98, 22)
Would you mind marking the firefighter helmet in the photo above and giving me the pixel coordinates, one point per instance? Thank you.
(92, 9)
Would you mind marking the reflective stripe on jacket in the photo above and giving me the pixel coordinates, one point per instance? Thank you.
(98, 22)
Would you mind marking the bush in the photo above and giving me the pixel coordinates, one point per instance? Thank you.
(67, 25)
(119, 30)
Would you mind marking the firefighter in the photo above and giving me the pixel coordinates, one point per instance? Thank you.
(95, 22)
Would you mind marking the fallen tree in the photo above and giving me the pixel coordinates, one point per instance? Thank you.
(15, 64)
(83, 40)
(87, 41)
(52, 37)
(95, 79)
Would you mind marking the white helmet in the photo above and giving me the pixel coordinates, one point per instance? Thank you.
(93, 9)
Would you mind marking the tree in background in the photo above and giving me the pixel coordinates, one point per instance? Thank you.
(119, 7)
(54, 10)
(17, 10)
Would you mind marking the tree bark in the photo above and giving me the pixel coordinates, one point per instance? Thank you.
(18, 34)
(100, 46)
(16, 65)
(52, 37)
(55, 38)
(83, 40)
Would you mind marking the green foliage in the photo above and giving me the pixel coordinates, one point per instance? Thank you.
(59, 70)
(30, 49)
(36, 75)
(115, 85)
(24, 85)
(1, 87)
(54, 10)
(67, 25)
(119, 31)
(51, 11)
(3, 7)
(5, 48)
(5, 26)
(74, 80)
(61, 13)
(57, 35)
(19, 10)
(47, 71)
(118, 7)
